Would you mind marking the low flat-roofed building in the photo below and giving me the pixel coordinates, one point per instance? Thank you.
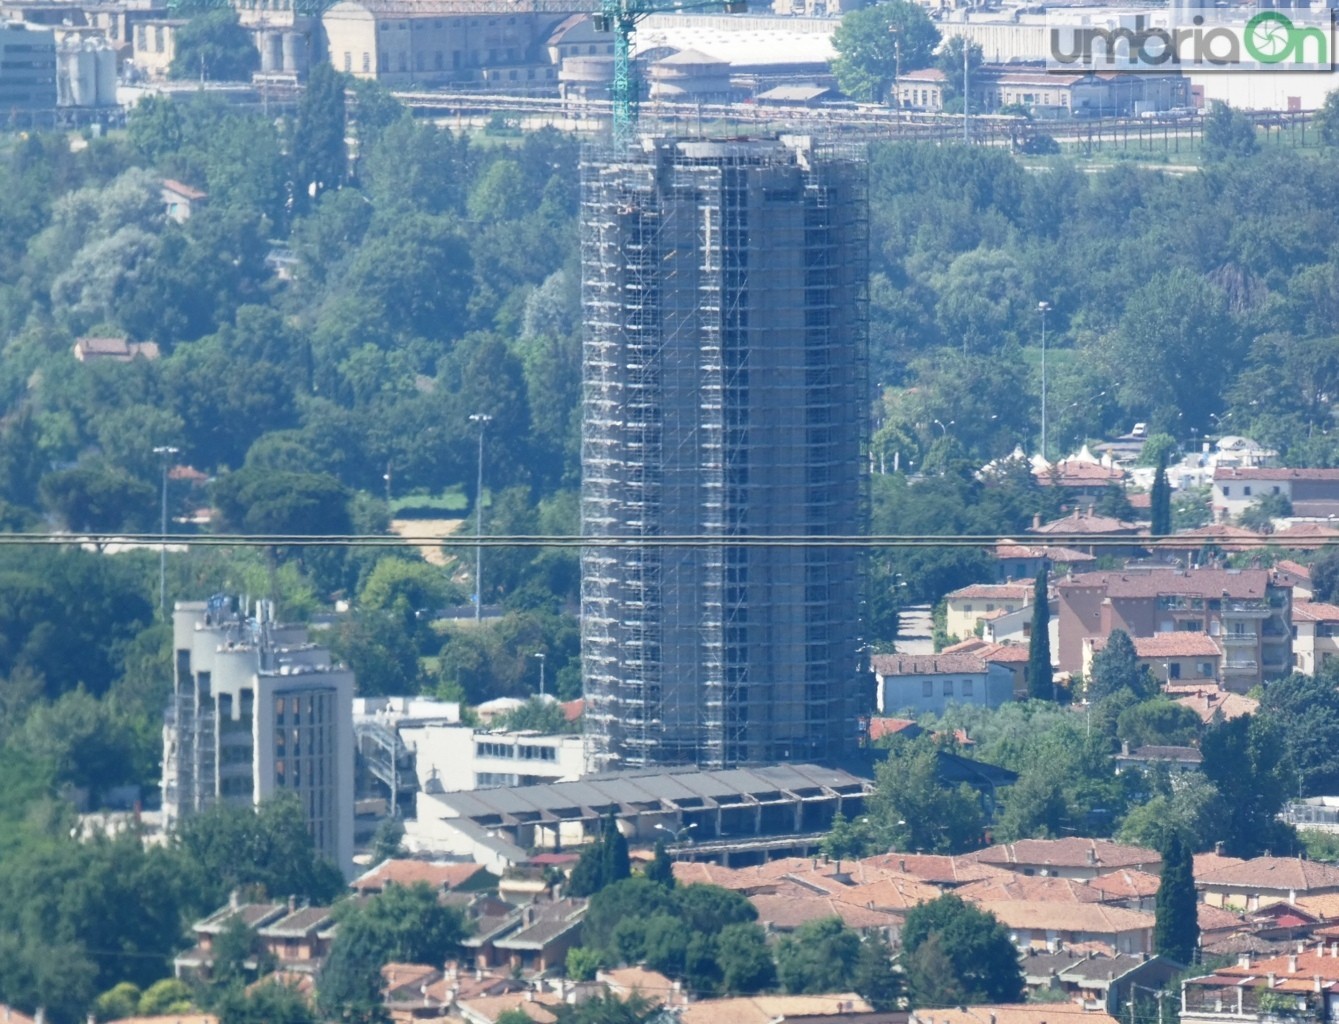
(933, 682)
(715, 812)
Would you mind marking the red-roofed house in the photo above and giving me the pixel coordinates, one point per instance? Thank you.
(437, 875)
(904, 727)
(1015, 561)
(1260, 881)
(1072, 531)
(1169, 657)
(966, 607)
(932, 682)
(1244, 610)
(113, 350)
(1316, 635)
(180, 201)
(1211, 704)
(1300, 986)
(1068, 858)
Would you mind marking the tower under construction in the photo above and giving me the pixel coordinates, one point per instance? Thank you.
(724, 359)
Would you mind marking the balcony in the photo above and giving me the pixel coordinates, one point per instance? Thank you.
(1235, 639)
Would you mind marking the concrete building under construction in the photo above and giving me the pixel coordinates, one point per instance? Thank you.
(724, 295)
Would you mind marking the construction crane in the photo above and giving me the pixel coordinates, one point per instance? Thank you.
(619, 17)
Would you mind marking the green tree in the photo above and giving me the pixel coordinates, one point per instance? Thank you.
(583, 963)
(1327, 119)
(953, 949)
(660, 870)
(608, 1009)
(1034, 808)
(270, 1002)
(1041, 684)
(1227, 133)
(169, 995)
(950, 61)
(1158, 722)
(846, 840)
(121, 1000)
(213, 46)
(911, 809)
(874, 979)
(1176, 929)
(864, 41)
(745, 959)
(1305, 712)
(1116, 668)
(1262, 512)
(602, 863)
(1325, 576)
(1160, 503)
(406, 923)
(319, 158)
(1242, 758)
(820, 956)
(268, 847)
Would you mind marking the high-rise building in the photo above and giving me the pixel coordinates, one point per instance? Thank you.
(256, 711)
(724, 362)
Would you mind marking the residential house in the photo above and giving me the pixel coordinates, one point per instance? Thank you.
(1046, 924)
(625, 982)
(1254, 883)
(846, 1007)
(1299, 575)
(1307, 536)
(1068, 858)
(303, 941)
(1170, 658)
(1085, 477)
(180, 201)
(1017, 561)
(1315, 635)
(541, 938)
(1012, 656)
(1134, 890)
(537, 1004)
(779, 914)
(932, 682)
(1095, 981)
(945, 872)
(300, 939)
(1300, 986)
(1014, 1013)
(438, 875)
(1167, 758)
(966, 608)
(1011, 885)
(1246, 611)
(1073, 530)
(113, 350)
(1313, 493)
(1212, 704)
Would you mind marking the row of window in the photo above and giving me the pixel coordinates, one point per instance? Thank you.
(523, 752)
(966, 688)
(1246, 490)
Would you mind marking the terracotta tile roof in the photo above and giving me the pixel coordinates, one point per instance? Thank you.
(1035, 888)
(533, 1004)
(1325, 905)
(1072, 472)
(1293, 568)
(437, 874)
(1306, 535)
(769, 1009)
(881, 727)
(1315, 611)
(1290, 972)
(1218, 919)
(888, 665)
(972, 645)
(9, 1015)
(165, 1018)
(1006, 654)
(1207, 862)
(736, 879)
(624, 981)
(989, 591)
(786, 913)
(1218, 531)
(1238, 583)
(397, 976)
(1016, 1013)
(936, 869)
(573, 709)
(894, 893)
(1169, 645)
(1074, 852)
(1281, 874)
(1210, 703)
(1140, 500)
(1011, 549)
(1078, 523)
(1088, 918)
(185, 191)
(1126, 884)
(1230, 473)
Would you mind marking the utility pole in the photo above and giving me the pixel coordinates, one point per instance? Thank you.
(483, 419)
(164, 452)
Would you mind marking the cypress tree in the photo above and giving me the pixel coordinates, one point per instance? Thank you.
(1040, 682)
(1160, 501)
(1176, 931)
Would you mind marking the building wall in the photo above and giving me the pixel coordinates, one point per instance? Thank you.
(461, 758)
(724, 297)
(962, 615)
(27, 69)
(934, 693)
(1315, 644)
(257, 711)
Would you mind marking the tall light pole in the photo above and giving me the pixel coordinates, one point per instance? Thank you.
(677, 834)
(483, 419)
(897, 69)
(1043, 308)
(164, 452)
(541, 656)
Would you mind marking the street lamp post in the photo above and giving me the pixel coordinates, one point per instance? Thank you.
(483, 419)
(677, 834)
(1043, 308)
(897, 70)
(164, 452)
(542, 657)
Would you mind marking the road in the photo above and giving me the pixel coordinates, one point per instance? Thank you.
(915, 630)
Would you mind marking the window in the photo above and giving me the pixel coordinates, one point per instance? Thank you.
(1247, 490)
(1206, 669)
(367, 61)
(968, 688)
(1227, 492)
(948, 687)
(928, 688)
(1276, 488)
(966, 608)
(348, 61)
(1174, 670)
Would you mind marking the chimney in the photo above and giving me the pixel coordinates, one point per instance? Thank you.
(1245, 961)
(1315, 978)
(292, 904)
(1292, 964)
(1218, 849)
(1036, 524)
(234, 900)
(1092, 856)
(1273, 979)
(39, 1017)
(1334, 949)
(529, 995)
(902, 865)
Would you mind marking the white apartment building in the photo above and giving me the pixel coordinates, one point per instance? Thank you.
(256, 711)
